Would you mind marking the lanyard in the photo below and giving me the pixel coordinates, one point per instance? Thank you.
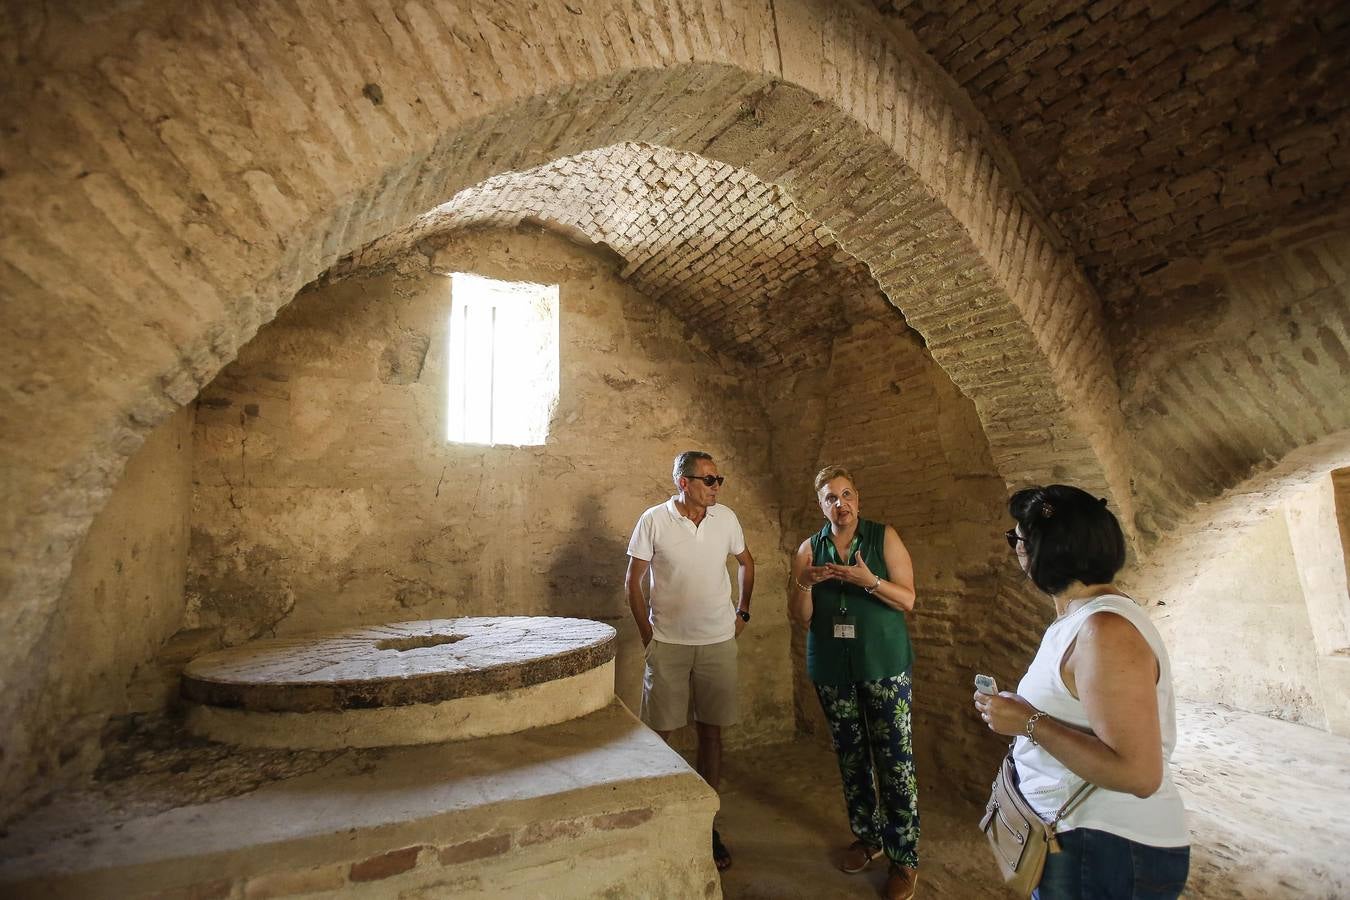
(852, 549)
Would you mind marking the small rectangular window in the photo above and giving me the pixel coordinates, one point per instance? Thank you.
(503, 360)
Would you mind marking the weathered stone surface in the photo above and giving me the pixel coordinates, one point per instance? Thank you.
(414, 821)
(318, 880)
(399, 664)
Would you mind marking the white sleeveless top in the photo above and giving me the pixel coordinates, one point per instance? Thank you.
(1158, 820)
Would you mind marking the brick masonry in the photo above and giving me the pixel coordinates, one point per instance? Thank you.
(749, 272)
(172, 177)
(1151, 133)
(211, 176)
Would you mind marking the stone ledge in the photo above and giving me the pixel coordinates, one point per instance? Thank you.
(464, 819)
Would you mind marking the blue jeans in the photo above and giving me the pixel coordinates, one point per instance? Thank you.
(1101, 866)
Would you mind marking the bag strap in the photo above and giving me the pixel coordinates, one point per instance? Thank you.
(1075, 798)
(1078, 797)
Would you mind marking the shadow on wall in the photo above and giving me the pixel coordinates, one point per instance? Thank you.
(585, 580)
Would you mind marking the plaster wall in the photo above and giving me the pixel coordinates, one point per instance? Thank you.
(1315, 521)
(326, 493)
(1239, 633)
(122, 602)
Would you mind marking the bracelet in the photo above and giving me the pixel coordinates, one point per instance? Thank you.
(802, 587)
(1031, 727)
(873, 588)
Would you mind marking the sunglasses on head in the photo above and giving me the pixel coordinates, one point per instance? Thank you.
(709, 480)
(1014, 538)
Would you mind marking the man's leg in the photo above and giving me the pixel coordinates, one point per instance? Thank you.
(710, 753)
(665, 688)
(714, 681)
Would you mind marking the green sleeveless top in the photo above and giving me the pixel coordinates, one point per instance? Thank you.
(881, 648)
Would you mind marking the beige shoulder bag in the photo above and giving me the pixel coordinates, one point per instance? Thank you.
(1017, 834)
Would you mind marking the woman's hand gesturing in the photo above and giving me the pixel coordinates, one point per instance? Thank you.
(858, 573)
(814, 575)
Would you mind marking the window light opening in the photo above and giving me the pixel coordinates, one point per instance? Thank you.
(503, 360)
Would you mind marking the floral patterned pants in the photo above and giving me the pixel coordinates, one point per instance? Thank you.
(870, 724)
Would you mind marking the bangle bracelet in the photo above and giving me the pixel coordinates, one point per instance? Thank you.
(1031, 727)
(802, 587)
(873, 588)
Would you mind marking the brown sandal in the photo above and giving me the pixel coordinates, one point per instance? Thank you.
(857, 857)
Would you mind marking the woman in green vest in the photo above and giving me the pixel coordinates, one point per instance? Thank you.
(852, 583)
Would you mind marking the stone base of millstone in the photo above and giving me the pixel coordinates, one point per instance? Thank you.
(462, 718)
(597, 806)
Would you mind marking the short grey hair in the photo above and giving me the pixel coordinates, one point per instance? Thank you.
(684, 464)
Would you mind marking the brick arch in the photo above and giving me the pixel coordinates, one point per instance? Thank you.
(724, 251)
(180, 173)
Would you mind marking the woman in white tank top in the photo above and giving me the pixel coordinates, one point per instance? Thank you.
(1095, 705)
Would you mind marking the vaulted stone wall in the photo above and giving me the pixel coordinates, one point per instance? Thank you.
(328, 495)
(1215, 392)
(882, 408)
(182, 171)
(173, 175)
(123, 601)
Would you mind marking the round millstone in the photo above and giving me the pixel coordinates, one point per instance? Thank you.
(402, 683)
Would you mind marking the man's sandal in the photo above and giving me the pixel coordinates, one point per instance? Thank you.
(857, 856)
(721, 855)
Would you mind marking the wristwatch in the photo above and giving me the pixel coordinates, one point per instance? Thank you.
(744, 614)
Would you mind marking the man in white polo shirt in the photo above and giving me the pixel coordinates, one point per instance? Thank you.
(690, 627)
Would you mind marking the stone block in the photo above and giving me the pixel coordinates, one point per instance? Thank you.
(385, 865)
(482, 848)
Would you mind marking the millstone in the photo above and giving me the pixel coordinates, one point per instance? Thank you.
(402, 683)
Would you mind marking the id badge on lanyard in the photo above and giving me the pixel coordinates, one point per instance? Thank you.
(846, 626)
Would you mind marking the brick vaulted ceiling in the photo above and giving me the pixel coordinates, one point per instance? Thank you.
(1155, 132)
(729, 254)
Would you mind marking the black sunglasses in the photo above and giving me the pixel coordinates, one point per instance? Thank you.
(709, 480)
(1014, 538)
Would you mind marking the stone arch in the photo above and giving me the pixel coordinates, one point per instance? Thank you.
(181, 173)
(1212, 530)
(1261, 568)
(721, 249)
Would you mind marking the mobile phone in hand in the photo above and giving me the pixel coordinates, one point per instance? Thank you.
(986, 684)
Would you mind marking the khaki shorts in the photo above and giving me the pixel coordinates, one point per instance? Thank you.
(673, 669)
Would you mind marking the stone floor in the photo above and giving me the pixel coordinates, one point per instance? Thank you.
(782, 814)
(783, 818)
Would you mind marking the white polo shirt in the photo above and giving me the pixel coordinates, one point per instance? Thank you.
(691, 591)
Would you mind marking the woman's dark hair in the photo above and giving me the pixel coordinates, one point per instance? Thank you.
(1070, 536)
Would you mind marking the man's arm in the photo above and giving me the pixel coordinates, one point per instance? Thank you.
(637, 601)
(745, 577)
